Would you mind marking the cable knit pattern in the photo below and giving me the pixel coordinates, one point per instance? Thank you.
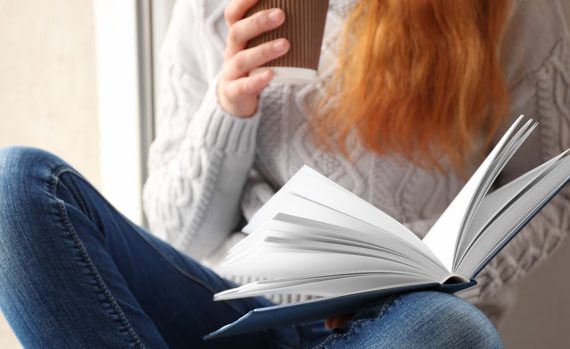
(199, 161)
(208, 168)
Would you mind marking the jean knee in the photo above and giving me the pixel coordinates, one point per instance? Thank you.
(20, 166)
(423, 319)
(25, 186)
(19, 157)
(455, 321)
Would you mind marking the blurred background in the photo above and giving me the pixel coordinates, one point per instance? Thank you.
(77, 78)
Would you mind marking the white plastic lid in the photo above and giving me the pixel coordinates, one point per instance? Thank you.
(289, 75)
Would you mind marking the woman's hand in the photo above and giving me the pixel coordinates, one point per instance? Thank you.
(238, 93)
(338, 321)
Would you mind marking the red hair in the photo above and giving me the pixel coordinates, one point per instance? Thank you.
(417, 78)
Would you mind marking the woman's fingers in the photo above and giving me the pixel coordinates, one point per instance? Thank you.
(248, 28)
(251, 58)
(338, 321)
(238, 93)
(236, 9)
(248, 86)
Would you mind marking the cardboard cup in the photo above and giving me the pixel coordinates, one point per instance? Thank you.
(304, 27)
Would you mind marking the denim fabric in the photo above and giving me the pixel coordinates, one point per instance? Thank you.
(76, 273)
(428, 319)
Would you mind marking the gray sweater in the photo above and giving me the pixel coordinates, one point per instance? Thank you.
(208, 169)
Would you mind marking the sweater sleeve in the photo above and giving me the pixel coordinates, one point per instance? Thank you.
(199, 161)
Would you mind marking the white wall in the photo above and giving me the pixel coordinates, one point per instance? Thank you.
(47, 79)
(47, 86)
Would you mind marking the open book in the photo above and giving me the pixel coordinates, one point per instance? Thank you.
(315, 237)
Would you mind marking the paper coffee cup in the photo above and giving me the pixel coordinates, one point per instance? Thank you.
(304, 27)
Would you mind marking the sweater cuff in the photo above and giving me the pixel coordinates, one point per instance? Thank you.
(216, 128)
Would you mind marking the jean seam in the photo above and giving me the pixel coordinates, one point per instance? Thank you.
(203, 284)
(160, 253)
(101, 288)
(358, 323)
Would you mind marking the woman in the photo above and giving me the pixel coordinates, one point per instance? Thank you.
(74, 272)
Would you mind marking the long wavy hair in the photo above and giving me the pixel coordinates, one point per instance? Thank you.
(419, 78)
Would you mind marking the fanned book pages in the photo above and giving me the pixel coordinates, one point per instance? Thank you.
(315, 237)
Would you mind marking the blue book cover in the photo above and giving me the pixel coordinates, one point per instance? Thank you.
(318, 309)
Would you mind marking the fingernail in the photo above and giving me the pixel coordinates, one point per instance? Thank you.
(280, 45)
(275, 15)
(266, 74)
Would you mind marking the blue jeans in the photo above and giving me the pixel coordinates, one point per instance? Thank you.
(76, 273)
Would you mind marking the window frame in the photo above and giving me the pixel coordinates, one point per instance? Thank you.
(125, 57)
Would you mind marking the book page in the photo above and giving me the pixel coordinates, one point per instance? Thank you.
(277, 262)
(495, 202)
(503, 158)
(297, 205)
(315, 186)
(334, 285)
(286, 249)
(444, 235)
(514, 217)
(330, 229)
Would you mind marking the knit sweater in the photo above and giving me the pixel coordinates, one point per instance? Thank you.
(209, 170)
